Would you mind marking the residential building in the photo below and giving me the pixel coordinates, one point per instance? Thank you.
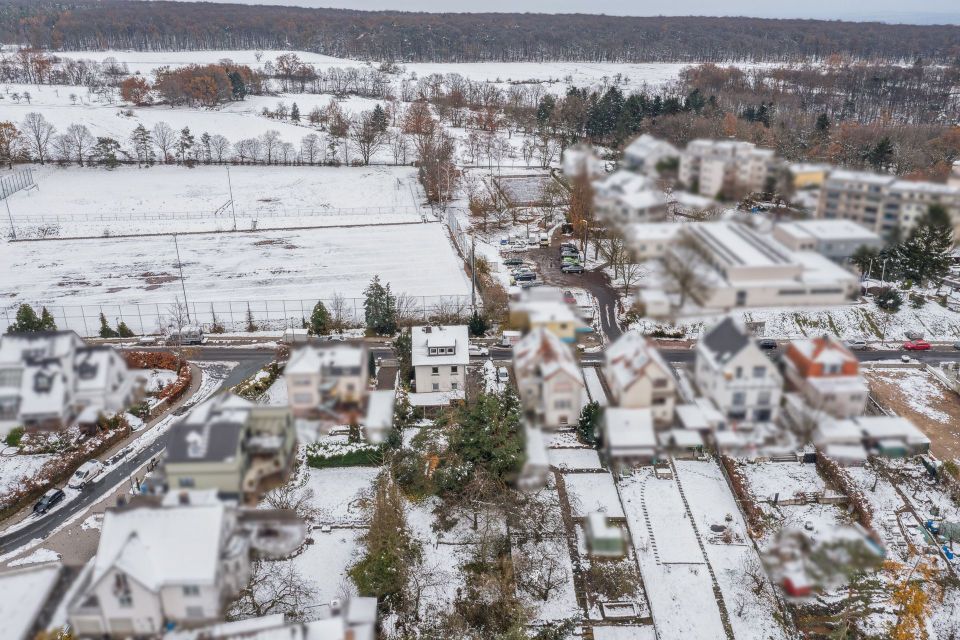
(639, 377)
(231, 445)
(739, 267)
(549, 379)
(727, 168)
(327, 381)
(52, 380)
(440, 355)
(545, 307)
(883, 203)
(645, 153)
(580, 160)
(628, 436)
(890, 436)
(172, 564)
(835, 239)
(624, 197)
(651, 240)
(807, 176)
(737, 376)
(827, 375)
(28, 597)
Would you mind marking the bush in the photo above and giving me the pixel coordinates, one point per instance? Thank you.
(917, 301)
(13, 438)
(889, 299)
(588, 423)
(123, 330)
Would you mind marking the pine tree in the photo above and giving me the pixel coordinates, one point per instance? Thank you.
(925, 254)
(489, 434)
(205, 147)
(588, 423)
(881, 154)
(295, 113)
(319, 320)
(251, 325)
(237, 85)
(105, 152)
(106, 331)
(123, 330)
(379, 308)
(26, 321)
(403, 348)
(478, 325)
(371, 365)
(823, 125)
(143, 145)
(378, 119)
(184, 144)
(47, 322)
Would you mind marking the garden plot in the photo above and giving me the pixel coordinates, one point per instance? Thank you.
(340, 494)
(574, 459)
(14, 469)
(675, 575)
(589, 492)
(524, 191)
(231, 271)
(917, 395)
(886, 505)
(735, 562)
(324, 566)
(544, 573)
(73, 201)
(787, 479)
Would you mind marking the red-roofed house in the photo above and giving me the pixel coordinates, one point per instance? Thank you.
(827, 375)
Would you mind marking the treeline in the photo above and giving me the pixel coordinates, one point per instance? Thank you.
(458, 37)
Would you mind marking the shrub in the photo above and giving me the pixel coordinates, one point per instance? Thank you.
(123, 330)
(13, 438)
(917, 301)
(588, 422)
(889, 299)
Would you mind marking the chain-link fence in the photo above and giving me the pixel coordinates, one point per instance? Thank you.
(15, 182)
(239, 315)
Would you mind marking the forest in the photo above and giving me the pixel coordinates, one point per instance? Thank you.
(460, 37)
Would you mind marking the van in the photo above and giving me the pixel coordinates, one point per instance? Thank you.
(85, 474)
(544, 240)
(295, 336)
(187, 335)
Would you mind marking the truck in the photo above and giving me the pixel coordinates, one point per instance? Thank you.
(189, 334)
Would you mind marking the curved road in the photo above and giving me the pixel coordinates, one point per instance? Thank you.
(248, 362)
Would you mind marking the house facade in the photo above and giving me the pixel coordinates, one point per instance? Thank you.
(827, 375)
(736, 376)
(326, 381)
(440, 355)
(639, 378)
(549, 379)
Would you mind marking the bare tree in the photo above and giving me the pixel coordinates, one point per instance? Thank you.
(296, 496)
(538, 568)
(38, 133)
(684, 269)
(80, 141)
(270, 143)
(399, 147)
(165, 138)
(310, 148)
(338, 312)
(366, 136)
(275, 587)
(219, 147)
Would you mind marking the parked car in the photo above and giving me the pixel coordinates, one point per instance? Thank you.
(149, 341)
(572, 268)
(477, 350)
(544, 239)
(48, 500)
(502, 374)
(513, 262)
(956, 345)
(529, 284)
(186, 335)
(768, 344)
(525, 276)
(917, 345)
(856, 345)
(914, 335)
(85, 474)
(569, 298)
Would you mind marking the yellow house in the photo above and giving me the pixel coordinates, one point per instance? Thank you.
(806, 176)
(546, 308)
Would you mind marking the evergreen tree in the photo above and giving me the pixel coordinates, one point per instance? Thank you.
(46, 321)
(889, 299)
(866, 259)
(380, 308)
(478, 325)
(184, 144)
(105, 152)
(822, 125)
(545, 110)
(371, 365)
(237, 85)
(106, 331)
(319, 320)
(251, 325)
(489, 434)
(881, 154)
(403, 348)
(378, 119)
(143, 144)
(26, 321)
(205, 147)
(695, 101)
(588, 423)
(925, 254)
(631, 119)
(123, 330)
(295, 113)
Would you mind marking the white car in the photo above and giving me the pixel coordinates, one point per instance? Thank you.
(477, 350)
(503, 375)
(856, 345)
(87, 473)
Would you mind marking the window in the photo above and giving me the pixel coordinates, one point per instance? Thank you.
(436, 386)
(763, 398)
(187, 483)
(660, 383)
(659, 401)
(302, 398)
(453, 369)
(435, 371)
(191, 590)
(433, 351)
(561, 404)
(831, 369)
(739, 399)
(738, 373)
(759, 372)
(10, 377)
(194, 612)
(454, 386)
(302, 382)
(125, 600)
(9, 408)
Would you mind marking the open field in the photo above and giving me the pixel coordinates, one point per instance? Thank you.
(229, 271)
(75, 201)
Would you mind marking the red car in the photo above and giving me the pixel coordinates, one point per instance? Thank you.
(917, 345)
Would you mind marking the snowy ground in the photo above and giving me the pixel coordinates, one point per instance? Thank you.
(340, 493)
(591, 375)
(74, 201)
(324, 565)
(785, 478)
(574, 459)
(260, 269)
(16, 468)
(588, 492)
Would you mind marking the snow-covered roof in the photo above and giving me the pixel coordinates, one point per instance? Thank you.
(23, 595)
(645, 145)
(865, 177)
(690, 416)
(906, 186)
(380, 409)
(652, 231)
(825, 350)
(440, 337)
(629, 429)
(629, 359)
(806, 167)
(435, 398)
(158, 546)
(541, 353)
(829, 230)
(316, 359)
(737, 245)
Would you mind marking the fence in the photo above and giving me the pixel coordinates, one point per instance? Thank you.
(234, 315)
(15, 182)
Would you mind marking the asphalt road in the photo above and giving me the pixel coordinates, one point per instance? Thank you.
(248, 362)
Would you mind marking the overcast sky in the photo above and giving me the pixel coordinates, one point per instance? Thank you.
(911, 11)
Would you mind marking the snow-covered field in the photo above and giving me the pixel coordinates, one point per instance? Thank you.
(14, 469)
(229, 271)
(339, 493)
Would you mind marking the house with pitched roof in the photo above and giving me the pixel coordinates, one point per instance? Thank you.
(549, 379)
(440, 355)
(827, 375)
(639, 377)
(736, 376)
(327, 381)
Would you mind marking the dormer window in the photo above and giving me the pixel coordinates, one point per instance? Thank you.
(87, 371)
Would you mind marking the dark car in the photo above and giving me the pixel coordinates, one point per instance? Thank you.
(572, 268)
(513, 262)
(768, 344)
(525, 276)
(48, 501)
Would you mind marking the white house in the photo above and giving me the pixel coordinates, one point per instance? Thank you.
(735, 374)
(50, 379)
(624, 197)
(549, 379)
(712, 167)
(327, 380)
(645, 152)
(639, 377)
(628, 435)
(440, 355)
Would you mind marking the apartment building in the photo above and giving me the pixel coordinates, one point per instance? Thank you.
(327, 381)
(827, 375)
(835, 239)
(881, 202)
(727, 168)
(645, 153)
(624, 197)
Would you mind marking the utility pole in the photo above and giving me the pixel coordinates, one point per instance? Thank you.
(13, 230)
(883, 272)
(232, 207)
(183, 287)
(473, 273)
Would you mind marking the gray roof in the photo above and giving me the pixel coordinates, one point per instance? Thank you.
(217, 441)
(725, 340)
